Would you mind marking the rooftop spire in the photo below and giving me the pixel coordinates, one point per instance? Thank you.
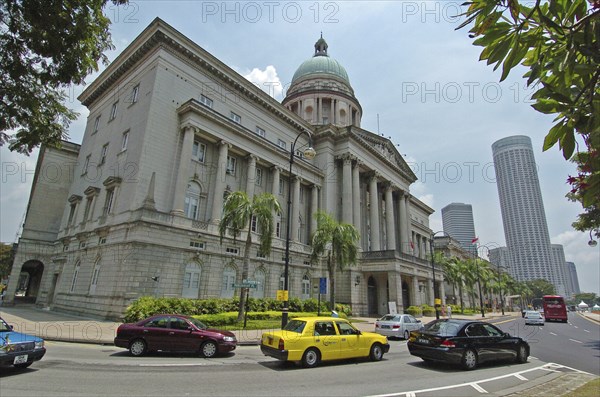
(321, 47)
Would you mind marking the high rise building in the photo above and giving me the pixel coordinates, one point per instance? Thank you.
(572, 277)
(558, 255)
(457, 220)
(523, 216)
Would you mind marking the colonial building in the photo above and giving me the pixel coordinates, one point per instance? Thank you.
(172, 130)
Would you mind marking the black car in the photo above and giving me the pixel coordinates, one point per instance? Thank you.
(465, 342)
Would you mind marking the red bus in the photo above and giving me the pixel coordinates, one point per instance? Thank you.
(554, 308)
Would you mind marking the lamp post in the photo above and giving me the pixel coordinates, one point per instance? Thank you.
(309, 154)
(431, 248)
(479, 281)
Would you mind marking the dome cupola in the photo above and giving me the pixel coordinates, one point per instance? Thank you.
(320, 91)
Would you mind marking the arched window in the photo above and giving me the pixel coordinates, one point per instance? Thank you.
(75, 274)
(305, 287)
(282, 281)
(191, 281)
(260, 278)
(227, 288)
(95, 274)
(192, 200)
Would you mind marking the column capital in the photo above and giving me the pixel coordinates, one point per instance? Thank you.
(372, 175)
(188, 127)
(224, 143)
(252, 156)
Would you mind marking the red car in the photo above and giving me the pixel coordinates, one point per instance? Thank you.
(174, 333)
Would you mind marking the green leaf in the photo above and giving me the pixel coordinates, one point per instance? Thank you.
(546, 106)
(554, 135)
(567, 142)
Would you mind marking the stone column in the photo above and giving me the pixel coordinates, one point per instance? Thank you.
(431, 293)
(183, 171)
(314, 207)
(319, 111)
(403, 239)
(217, 204)
(415, 291)
(251, 177)
(347, 198)
(275, 192)
(374, 213)
(356, 214)
(407, 222)
(389, 218)
(395, 284)
(295, 206)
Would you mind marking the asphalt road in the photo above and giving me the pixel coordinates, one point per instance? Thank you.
(71, 369)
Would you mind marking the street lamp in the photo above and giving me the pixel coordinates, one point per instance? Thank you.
(479, 280)
(309, 154)
(431, 248)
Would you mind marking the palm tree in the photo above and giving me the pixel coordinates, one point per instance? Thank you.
(452, 274)
(339, 242)
(238, 213)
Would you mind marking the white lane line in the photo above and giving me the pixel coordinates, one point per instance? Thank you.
(478, 388)
(575, 340)
(552, 333)
(585, 330)
(519, 376)
(172, 365)
(546, 367)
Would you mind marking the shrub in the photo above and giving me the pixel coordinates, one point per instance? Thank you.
(427, 310)
(414, 311)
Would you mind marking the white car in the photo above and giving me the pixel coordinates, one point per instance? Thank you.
(533, 318)
(397, 325)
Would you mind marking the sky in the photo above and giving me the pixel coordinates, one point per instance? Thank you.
(417, 79)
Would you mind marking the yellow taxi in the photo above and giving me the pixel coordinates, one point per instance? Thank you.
(310, 340)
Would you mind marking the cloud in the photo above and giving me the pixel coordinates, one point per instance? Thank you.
(267, 80)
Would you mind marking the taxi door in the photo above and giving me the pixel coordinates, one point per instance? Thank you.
(351, 344)
(327, 340)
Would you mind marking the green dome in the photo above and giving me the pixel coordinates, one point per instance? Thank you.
(321, 64)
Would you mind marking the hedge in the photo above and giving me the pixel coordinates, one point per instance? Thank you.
(147, 306)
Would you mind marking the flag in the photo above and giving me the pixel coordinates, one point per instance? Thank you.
(475, 240)
(412, 246)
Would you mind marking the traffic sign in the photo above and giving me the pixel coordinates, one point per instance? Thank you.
(245, 285)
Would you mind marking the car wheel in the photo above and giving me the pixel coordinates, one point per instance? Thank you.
(23, 365)
(310, 358)
(376, 352)
(137, 348)
(469, 359)
(406, 334)
(522, 354)
(209, 349)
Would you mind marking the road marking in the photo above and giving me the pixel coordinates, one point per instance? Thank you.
(552, 333)
(575, 326)
(478, 388)
(546, 367)
(171, 365)
(519, 376)
(575, 340)
(585, 330)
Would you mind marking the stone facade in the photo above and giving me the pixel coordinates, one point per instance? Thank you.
(171, 131)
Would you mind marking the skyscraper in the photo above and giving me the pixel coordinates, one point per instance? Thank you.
(523, 216)
(572, 277)
(457, 221)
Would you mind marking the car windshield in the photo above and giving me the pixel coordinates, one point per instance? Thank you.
(390, 317)
(295, 326)
(4, 327)
(534, 315)
(199, 324)
(443, 328)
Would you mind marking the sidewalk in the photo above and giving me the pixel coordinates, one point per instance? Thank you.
(56, 326)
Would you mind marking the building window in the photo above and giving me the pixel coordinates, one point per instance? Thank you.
(95, 274)
(88, 207)
(86, 164)
(278, 226)
(259, 176)
(253, 224)
(282, 281)
(124, 140)
(191, 281)
(260, 131)
(281, 143)
(260, 278)
(236, 118)
(65, 248)
(232, 251)
(199, 245)
(281, 186)
(135, 93)
(199, 151)
(206, 101)
(192, 201)
(305, 287)
(71, 214)
(103, 153)
(96, 125)
(108, 203)
(231, 163)
(113, 110)
(101, 240)
(301, 194)
(228, 286)
(74, 280)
